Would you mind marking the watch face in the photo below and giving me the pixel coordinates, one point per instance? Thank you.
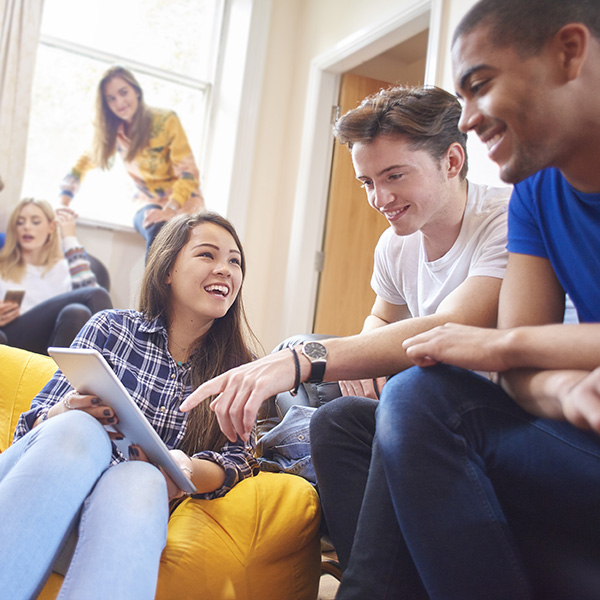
(315, 350)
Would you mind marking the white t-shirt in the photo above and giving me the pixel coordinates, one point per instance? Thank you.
(40, 286)
(403, 276)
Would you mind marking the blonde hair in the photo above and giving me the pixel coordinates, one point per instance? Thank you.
(12, 265)
(106, 123)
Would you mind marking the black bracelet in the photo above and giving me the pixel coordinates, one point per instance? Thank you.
(297, 382)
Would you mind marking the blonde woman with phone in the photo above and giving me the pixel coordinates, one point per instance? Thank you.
(47, 289)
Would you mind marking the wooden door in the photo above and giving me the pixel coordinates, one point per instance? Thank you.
(352, 229)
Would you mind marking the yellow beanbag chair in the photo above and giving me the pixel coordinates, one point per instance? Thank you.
(259, 542)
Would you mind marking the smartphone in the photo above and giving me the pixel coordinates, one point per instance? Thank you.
(14, 296)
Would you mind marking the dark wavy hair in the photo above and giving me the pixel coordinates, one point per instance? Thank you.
(528, 24)
(426, 116)
(228, 343)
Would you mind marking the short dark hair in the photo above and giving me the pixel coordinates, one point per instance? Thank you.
(426, 116)
(528, 24)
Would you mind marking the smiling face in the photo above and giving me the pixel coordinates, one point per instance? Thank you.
(408, 187)
(206, 277)
(508, 101)
(121, 98)
(33, 230)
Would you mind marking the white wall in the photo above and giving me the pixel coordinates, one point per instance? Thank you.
(299, 31)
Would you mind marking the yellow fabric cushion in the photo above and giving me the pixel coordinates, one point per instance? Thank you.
(259, 542)
(24, 374)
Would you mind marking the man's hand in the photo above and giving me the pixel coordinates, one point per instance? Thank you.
(362, 387)
(580, 400)
(242, 390)
(474, 348)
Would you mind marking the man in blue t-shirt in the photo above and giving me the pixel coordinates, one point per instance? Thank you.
(496, 487)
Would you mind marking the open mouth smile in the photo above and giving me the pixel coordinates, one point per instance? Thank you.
(217, 290)
(392, 215)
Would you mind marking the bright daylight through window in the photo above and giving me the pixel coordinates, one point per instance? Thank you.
(170, 45)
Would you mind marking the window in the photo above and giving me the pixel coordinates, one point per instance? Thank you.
(170, 45)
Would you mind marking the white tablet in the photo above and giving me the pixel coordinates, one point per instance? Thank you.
(89, 373)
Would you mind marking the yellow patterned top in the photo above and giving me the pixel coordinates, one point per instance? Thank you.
(164, 170)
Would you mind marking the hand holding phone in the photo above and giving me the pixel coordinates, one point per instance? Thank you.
(14, 296)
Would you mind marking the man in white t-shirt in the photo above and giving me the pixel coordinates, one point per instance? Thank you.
(442, 259)
(445, 256)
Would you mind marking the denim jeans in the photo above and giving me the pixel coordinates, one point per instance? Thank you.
(56, 479)
(341, 439)
(150, 232)
(56, 321)
(471, 478)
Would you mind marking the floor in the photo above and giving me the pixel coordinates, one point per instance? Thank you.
(328, 587)
(328, 584)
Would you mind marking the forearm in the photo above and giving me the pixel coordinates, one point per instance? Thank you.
(552, 347)
(377, 352)
(206, 475)
(373, 322)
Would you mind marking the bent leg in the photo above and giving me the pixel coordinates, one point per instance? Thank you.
(44, 479)
(465, 465)
(35, 330)
(122, 532)
(341, 437)
(150, 232)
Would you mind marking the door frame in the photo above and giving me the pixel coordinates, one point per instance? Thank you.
(310, 201)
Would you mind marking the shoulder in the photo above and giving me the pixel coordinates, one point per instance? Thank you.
(486, 198)
(163, 116)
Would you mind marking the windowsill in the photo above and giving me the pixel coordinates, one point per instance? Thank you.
(105, 225)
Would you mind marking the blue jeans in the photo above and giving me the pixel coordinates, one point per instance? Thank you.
(150, 232)
(56, 321)
(480, 492)
(56, 479)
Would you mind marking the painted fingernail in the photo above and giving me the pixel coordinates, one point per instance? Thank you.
(95, 400)
(107, 412)
(110, 420)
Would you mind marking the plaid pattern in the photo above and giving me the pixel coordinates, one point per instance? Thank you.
(137, 351)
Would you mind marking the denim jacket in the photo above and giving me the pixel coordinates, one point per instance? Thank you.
(286, 447)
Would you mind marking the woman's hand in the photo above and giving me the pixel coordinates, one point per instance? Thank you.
(157, 215)
(181, 458)
(9, 311)
(65, 218)
(89, 404)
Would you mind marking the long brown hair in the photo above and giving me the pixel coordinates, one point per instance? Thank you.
(12, 265)
(106, 123)
(228, 343)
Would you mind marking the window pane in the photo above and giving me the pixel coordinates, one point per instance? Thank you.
(178, 36)
(60, 130)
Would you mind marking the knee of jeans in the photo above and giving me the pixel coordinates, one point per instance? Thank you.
(75, 313)
(99, 299)
(341, 417)
(81, 437)
(140, 483)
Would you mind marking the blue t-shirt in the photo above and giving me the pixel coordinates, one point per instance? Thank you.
(550, 219)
